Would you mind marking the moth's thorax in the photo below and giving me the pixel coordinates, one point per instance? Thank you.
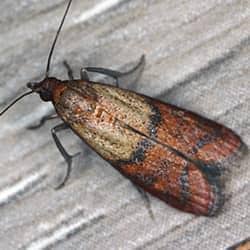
(73, 104)
(58, 92)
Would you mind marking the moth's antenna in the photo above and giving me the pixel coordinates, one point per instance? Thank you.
(19, 98)
(55, 40)
(48, 63)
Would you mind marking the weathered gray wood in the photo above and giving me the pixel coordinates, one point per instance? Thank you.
(197, 56)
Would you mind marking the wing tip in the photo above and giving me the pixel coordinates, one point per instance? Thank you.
(218, 200)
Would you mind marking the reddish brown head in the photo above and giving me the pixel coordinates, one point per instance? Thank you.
(44, 88)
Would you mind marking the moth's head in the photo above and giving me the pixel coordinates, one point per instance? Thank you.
(44, 88)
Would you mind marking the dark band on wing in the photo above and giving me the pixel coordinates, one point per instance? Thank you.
(155, 120)
(138, 155)
(184, 184)
(219, 197)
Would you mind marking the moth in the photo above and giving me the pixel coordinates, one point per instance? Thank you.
(169, 152)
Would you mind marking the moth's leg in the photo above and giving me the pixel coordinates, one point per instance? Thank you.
(43, 120)
(145, 197)
(68, 158)
(84, 74)
(122, 77)
(69, 70)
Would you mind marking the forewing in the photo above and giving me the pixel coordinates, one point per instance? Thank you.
(213, 146)
(172, 153)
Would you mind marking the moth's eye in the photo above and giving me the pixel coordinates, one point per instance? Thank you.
(46, 95)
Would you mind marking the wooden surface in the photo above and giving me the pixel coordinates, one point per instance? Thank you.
(198, 57)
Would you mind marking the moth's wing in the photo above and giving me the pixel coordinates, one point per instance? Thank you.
(172, 178)
(213, 146)
(115, 124)
(242, 245)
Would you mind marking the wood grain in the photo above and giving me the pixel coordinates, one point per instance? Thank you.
(197, 55)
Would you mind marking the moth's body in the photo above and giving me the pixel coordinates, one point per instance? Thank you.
(172, 153)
